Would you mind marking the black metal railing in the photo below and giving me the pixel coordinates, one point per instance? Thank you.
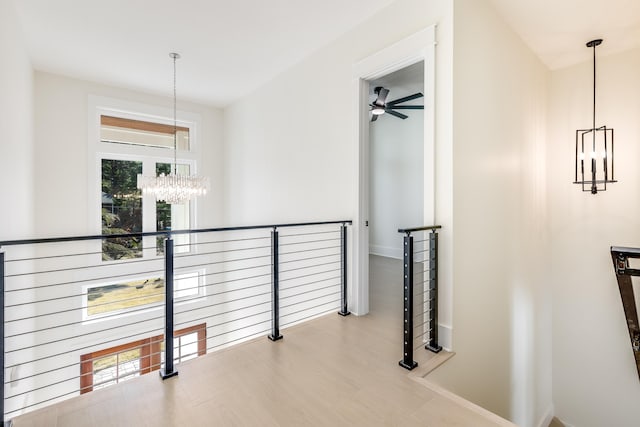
(420, 292)
(626, 264)
(74, 320)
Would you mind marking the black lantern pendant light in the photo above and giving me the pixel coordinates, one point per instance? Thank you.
(594, 148)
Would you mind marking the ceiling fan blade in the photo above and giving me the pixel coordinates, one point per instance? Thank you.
(406, 98)
(408, 107)
(395, 113)
(374, 117)
(382, 96)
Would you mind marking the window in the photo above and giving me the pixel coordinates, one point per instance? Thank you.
(106, 299)
(121, 296)
(127, 139)
(125, 144)
(117, 364)
(119, 130)
(121, 208)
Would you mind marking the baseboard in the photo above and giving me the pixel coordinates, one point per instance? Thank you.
(386, 251)
(547, 417)
(445, 337)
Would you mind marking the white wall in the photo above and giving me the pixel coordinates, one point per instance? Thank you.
(291, 147)
(501, 301)
(595, 382)
(290, 151)
(61, 171)
(396, 179)
(16, 128)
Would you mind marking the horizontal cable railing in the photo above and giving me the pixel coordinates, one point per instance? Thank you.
(82, 313)
(420, 292)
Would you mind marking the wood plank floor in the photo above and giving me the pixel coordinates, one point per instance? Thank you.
(332, 371)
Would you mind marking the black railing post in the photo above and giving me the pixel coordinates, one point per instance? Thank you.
(344, 310)
(432, 345)
(168, 371)
(407, 361)
(2, 285)
(275, 287)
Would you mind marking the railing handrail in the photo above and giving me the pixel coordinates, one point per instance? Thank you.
(411, 230)
(165, 233)
(628, 252)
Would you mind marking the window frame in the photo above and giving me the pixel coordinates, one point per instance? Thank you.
(150, 358)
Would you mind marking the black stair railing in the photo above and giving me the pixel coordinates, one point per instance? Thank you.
(241, 283)
(625, 271)
(420, 292)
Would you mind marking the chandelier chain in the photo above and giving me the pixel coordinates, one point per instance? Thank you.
(175, 114)
(594, 87)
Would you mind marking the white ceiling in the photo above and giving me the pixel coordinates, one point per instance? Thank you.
(229, 48)
(558, 30)
(401, 83)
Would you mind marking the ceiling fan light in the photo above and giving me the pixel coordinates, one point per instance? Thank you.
(378, 110)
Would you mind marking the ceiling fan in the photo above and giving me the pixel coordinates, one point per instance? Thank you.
(381, 106)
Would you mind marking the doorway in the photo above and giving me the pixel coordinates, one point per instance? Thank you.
(418, 48)
(396, 162)
(396, 178)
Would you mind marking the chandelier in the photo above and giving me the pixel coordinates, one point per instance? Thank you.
(173, 188)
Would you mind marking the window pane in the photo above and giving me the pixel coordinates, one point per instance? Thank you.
(188, 347)
(120, 296)
(137, 132)
(121, 208)
(116, 368)
(128, 364)
(186, 285)
(136, 293)
(105, 371)
(174, 216)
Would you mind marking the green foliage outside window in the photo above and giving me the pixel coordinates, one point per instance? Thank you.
(121, 209)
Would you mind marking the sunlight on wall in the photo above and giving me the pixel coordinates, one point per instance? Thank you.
(522, 352)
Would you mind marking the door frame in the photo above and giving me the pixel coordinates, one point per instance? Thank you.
(415, 48)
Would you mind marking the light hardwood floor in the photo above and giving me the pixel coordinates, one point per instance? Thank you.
(332, 371)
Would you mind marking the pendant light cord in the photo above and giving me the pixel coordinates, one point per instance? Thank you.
(594, 87)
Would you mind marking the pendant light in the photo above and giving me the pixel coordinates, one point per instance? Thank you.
(174, 188)
(594, 148)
